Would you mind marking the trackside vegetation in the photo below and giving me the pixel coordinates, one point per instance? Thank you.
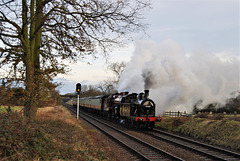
(222, 132)
(57, 135)
(12, 108)
(21, 140)
(54, 136)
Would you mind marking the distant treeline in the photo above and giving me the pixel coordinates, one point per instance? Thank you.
(89, 91)
(232, 106)
(16, 97)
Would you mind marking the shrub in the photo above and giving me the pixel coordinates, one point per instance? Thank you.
(179, 121)
(171, 123)
(218, 116)
(22, 140)
(235, 118)
(202, 115)
(57, 135)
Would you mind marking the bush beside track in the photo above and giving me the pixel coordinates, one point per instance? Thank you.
(225, 133)
(57, 135)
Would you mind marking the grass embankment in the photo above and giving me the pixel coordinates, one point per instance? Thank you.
(55, 136)
(217, 132)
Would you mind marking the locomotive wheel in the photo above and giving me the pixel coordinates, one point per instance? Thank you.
(139, 125)
(131, 123)
(152, 125)
(127, 121)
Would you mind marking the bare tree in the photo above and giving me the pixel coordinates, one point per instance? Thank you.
(117, 69)
(110, 85)
(37, 35)
(107, 86)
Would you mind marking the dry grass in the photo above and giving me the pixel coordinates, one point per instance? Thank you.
(69, 133)
(56, 135)
(21, 139)
(60, 113)
(218, 132)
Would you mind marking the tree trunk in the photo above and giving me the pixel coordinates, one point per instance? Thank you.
(30, 108)
(31, 45)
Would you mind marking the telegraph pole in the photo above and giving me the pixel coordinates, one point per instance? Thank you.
(78, 89)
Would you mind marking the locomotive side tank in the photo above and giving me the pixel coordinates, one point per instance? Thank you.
(138, 110)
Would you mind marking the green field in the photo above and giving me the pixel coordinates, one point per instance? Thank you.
(13, 108)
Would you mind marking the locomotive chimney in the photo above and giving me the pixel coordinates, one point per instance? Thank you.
(146, 94)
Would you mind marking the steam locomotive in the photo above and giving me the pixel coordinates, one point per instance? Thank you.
(133, 109)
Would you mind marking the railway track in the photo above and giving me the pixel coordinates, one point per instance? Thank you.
(209, 151)
(142, 150)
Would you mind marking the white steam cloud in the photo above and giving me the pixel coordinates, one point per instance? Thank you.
(178, 80)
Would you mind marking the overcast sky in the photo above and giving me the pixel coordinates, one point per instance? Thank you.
(210, 25)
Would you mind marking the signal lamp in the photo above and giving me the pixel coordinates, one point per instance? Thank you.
(78, 88)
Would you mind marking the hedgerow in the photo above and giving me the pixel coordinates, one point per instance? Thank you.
(22, 140)
(55, 136)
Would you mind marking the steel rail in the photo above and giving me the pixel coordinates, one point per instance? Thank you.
(225, 154)
(126, 145)
(168, 155)
(220, 154)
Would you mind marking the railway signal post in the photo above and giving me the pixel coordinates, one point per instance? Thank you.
(78, 90)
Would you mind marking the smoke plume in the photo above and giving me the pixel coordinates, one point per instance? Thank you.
(177, 80)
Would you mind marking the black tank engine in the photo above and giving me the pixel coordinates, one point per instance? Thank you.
(132, 109)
